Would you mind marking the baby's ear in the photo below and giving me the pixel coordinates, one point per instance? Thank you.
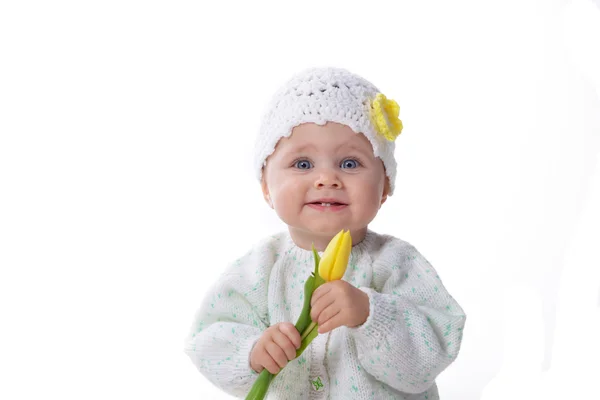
(386, 190)
(265, 191)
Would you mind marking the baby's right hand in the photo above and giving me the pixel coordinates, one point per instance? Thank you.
(276, 346)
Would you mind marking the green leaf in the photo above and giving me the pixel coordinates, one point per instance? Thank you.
(304, 318)
(318, 280)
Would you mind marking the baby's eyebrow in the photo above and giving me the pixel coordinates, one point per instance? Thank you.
(356, 148)
(294, 151)
(299, 149)
(310, 146)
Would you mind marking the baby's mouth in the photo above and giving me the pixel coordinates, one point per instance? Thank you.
(327, 204)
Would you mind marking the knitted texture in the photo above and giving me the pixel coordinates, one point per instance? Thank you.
(321, 95)
(413, 332)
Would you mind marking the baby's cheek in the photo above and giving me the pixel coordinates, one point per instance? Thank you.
(368, 204)
(286, 205)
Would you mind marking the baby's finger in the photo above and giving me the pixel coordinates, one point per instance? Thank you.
(319, 292)
(320, 305)
(270, 364)
(327, 314)
(331, 324)
(277, 354)
(285, 344)
(292, 333)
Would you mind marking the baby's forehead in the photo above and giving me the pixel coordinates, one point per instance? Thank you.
(329, 137)
(292, 145)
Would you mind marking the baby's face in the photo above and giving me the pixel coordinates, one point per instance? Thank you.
(323, 179)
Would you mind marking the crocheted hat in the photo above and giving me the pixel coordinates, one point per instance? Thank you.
(322, 95)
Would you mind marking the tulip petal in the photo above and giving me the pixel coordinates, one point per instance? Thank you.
(342, 256)
(329, 255)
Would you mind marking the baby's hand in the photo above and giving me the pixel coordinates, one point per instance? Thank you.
(276, 346)
(338, 303)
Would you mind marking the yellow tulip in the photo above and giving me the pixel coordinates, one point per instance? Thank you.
(335, 258)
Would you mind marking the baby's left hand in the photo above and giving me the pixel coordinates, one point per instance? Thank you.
(338, 303)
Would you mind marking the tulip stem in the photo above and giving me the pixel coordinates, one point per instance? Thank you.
(308, 330)
(309, 334)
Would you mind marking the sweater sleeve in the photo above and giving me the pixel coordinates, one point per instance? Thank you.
(230, 320)
(414, 328)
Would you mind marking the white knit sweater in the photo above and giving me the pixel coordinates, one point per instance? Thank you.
(412, 334)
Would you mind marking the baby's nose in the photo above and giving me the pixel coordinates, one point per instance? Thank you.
(328, 179)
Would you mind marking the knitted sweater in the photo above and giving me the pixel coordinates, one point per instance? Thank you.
(413, 331)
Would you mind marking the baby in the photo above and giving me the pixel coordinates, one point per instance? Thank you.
(325, 161)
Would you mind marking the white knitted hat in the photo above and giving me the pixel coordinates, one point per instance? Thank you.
(322, 95)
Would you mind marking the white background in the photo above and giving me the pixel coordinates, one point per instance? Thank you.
(126, 186)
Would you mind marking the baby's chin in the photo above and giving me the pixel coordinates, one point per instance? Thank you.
(321, 230)
(306, 237)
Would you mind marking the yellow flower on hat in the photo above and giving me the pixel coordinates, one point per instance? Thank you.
(384, 114)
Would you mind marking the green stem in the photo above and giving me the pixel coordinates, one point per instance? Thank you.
(261, 386)
(309, 334)
(309, 328)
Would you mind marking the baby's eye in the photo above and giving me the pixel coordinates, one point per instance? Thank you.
(303, 164)
(350, 163)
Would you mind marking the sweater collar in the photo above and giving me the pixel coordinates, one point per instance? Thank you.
(359, 250)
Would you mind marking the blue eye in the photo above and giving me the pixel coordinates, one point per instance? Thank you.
(350, 163)
(303, 164)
